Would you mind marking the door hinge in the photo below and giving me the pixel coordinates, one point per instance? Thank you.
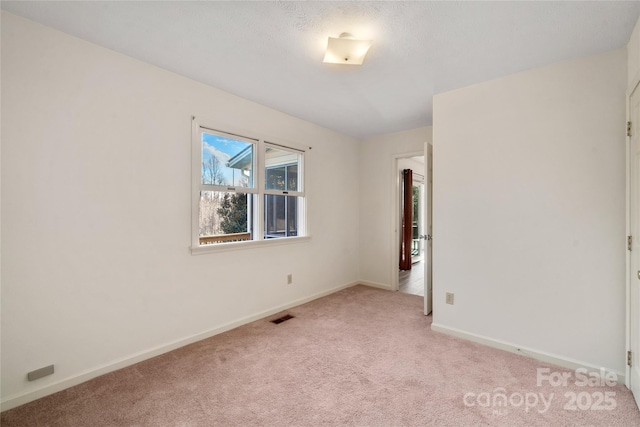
(629, 358)
(629, 243)
(629, 128)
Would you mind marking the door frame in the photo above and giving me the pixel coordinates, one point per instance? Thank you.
(635, 86)
(428, 219)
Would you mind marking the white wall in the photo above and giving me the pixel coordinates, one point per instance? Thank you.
(529, 210)
(376, 194)
(96, 267)
(633, 55)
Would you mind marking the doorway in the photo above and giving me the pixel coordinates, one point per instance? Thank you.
(411, 273)
(416, 280)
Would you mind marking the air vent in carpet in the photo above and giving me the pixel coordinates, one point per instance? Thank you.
(282, 319)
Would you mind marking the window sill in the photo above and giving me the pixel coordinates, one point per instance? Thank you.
(234, 246)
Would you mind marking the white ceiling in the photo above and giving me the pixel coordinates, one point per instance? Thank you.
(271, 52)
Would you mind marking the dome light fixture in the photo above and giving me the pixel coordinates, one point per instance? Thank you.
(346, 49)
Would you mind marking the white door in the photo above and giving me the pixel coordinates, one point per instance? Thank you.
(428, 211)
(634, 222)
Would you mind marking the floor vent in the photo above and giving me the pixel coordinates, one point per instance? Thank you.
(282, 319)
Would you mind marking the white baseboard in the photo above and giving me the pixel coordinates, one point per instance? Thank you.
(375, 285)
(542, 356)
(22, 398)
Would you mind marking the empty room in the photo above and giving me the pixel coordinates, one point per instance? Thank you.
(311, 213)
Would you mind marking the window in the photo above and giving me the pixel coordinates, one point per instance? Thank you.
(281, 179)
(245, 189)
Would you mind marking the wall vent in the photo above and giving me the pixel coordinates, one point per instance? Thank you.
(39, 373)
(282, 319)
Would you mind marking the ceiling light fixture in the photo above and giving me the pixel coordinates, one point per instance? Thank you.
(346, 50)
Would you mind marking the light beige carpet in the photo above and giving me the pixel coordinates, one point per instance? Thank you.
(362, 357)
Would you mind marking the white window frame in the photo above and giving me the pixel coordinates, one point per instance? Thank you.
(257, 192)
(300, 193)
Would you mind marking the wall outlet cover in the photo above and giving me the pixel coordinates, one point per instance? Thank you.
(449, 298)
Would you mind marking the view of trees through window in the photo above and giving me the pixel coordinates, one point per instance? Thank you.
(225, 162)
(229, 192)
(223, 213)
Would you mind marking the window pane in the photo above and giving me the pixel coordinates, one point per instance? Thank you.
(282, 169)
(276, 178)
(280, 216)
(292, 177)
(226, 161)
(224, 217)
(292, 216)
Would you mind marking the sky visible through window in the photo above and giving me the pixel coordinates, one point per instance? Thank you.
(216, 153)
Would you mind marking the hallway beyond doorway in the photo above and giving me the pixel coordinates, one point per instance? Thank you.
(412, 281)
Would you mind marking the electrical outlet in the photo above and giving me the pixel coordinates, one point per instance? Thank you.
(449, 299)
(289, 279)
